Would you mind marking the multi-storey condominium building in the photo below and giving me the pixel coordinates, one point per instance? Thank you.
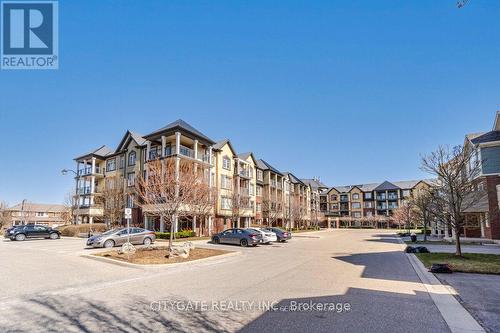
(366, 204)
(249, 191)
(483, 219)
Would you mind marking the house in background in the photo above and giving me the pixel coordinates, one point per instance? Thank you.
(483, 219)
(51, 215)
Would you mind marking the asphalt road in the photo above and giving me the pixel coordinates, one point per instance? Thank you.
(332, 281)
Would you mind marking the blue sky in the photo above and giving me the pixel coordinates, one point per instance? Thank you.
(351, 91)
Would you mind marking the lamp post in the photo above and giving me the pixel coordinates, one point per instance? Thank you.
(64, 172)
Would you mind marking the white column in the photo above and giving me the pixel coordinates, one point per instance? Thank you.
(162, 224)
(177, 143)
(145, 219)
(148, 149)
(209, 225)
(195, 149)
(210, 168)
(92, 184)
(93, 165)
(194, 224)
(163, 145)
(91, 219)
(481, 222)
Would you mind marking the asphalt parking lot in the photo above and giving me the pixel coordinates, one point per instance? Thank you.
(47, 284)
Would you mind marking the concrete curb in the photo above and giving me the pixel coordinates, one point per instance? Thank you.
(158, 266)
(458, 319)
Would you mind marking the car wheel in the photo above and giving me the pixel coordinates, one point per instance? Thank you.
(216, 240)
(109, 244)
(147, 241)
(54, 235)
(20, 237)
(244, 242)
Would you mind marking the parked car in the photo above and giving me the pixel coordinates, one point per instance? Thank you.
(117, 237)
(281, 234)
(21, 232)
(267, 236)
(243, 237)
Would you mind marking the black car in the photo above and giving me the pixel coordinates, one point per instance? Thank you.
(22, 232)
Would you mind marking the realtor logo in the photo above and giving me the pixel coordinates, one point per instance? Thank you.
(29, 35)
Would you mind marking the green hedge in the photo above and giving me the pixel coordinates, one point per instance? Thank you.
(180, 234)
(73, 230)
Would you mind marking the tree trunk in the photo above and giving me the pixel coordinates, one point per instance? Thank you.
(458, 249)
(171, 238)
(425, 228)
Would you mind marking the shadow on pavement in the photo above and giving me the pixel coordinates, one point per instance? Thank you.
(370, 311)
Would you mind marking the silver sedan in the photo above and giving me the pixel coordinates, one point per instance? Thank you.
(118, 237)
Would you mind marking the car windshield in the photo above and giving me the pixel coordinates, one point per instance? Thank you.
(110, 232)
(278, 229)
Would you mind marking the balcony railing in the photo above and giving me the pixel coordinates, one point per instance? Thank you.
(392, 197)
(381, 207)
(395, 206)
(88, 171)
(183, 150)
(83, 190)
(381, 197)
(245, 173)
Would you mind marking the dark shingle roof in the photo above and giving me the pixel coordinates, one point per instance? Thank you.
(386, 186)
(181, 124)
(314, 183)
(261, 164)
(293, 178)
(102, 151)
(487, 137)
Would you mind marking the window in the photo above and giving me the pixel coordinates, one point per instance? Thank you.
(225, 203)
(225, 182)
(259, 190)
(355, 196)
(131, 179)
(368, 204)
(226, 163)
(259, 207)
(260, 175)
(368, 214)
(42, 214)
(131, 158)
(334, 197)
(122, 162)
(130, 201)
(111, 165)
(250, 189)
(368, 195)
(356, 205)
(356, 214)
(406, 193)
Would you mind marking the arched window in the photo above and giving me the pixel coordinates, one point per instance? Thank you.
(131, 158)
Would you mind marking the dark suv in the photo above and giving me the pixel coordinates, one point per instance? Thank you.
(22, 232)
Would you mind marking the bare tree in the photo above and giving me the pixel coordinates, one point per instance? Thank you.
(423, 201)
(405, 215)
(5, 218)
(204, 196)
(114, 199)
(270, 211)
(456, 170)
(236, 202)
(69, 208)
(169, 190)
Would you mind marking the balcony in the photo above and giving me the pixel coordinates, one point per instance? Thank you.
(83, 190)
(381, 198)
(393, 206)
(392, 196)
(245, 173)
(381, 207)
(88, 171)
(185, 151)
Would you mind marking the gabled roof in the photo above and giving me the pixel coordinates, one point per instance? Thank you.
(218, 146)
(102, 152)
(245, 156)
(293, 178)
(385, 186)
(36, 207)
(314, 183)
(487, 137)
(343, 189)
(180, 124)
(131, 135)
(409, 184)
(261, 164)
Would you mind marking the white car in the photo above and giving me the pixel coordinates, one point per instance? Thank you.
(267, 236)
